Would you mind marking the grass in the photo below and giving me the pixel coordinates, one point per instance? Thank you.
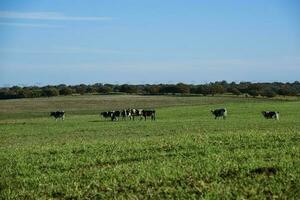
(184, 154)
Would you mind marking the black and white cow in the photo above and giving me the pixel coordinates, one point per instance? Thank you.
(270, 114)
(125, 113)
(148, 113)
(135, 113)
(58, 114)
(106, 114)
(222, 112)
(115, 115)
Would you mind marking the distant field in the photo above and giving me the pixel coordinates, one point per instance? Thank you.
(184, 154)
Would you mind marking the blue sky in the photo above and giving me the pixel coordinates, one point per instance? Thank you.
(142, 41)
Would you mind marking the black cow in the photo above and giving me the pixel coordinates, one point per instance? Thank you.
(148, 113)
(115, 115)
(222, 112)
(106, 114)
(270, 114)
(58, 114)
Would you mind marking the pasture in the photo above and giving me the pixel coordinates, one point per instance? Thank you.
(184, 154)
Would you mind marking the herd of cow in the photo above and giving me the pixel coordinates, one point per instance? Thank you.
(128, 114)
(131, 114)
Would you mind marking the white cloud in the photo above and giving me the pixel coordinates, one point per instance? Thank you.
(48, 16)
(27, 25)
(66, 50)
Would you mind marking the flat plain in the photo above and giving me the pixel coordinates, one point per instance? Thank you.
(184, 154)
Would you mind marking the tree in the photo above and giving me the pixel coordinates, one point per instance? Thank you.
(104, 89)
(6, 93)
(128, 88)
(152, 89)
(182, 88)
(25, 93)
(50, 91)
(65, 91)
(37, 93)
(253, 93)
(203, 89)
(90, 89)
(287, 91)
(216, 89)
(169, 89)
(268, 92)
(234, 91)
(81, 89)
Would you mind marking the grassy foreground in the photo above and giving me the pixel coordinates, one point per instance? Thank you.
(184, 154)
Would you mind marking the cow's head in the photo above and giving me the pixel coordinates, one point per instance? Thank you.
(264, 113)
(102, 113)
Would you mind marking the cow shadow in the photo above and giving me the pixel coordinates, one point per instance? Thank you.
(97, 121)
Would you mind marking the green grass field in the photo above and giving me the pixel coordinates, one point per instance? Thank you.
(184, 154)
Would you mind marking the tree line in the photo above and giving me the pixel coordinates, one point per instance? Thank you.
(213, 88)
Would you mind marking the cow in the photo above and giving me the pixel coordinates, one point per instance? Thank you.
(131, 113)
(125, 114)
(222, 112)
(270, 114)
(106, 114)
(135, 112)
(148, 113)
(115, 115)
(58, 114)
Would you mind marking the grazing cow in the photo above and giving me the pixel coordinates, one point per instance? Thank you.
(270, 114)
(58, 114)
(222, 112)
(115, 115)
(106, 114)
(124, 114)
(135, 112)
(148, 113)
(131, 113)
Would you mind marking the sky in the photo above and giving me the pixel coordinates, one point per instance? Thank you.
(148, 41)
